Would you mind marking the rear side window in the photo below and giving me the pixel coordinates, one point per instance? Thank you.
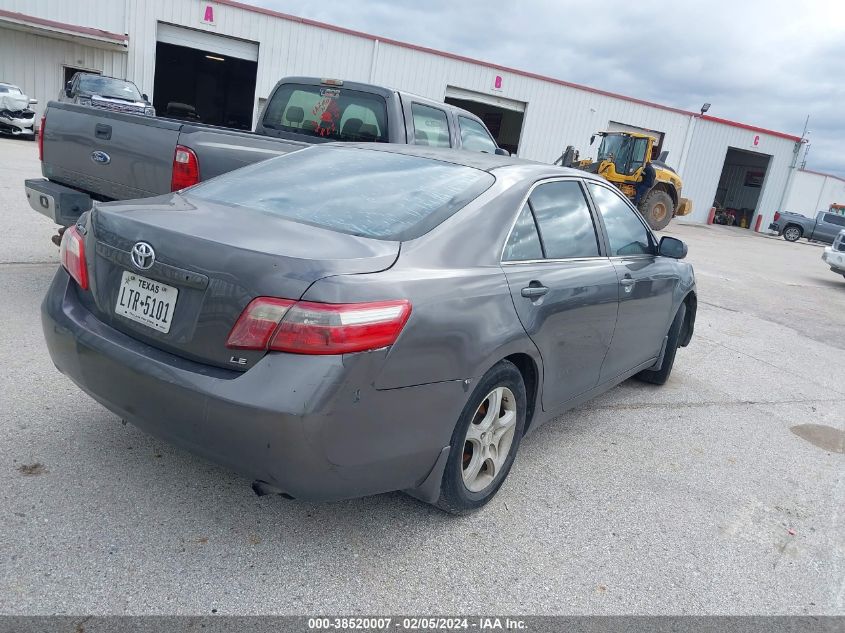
(431, 127)
(564, 219)
(474, 136)
(524, 241)
(369, 193)
(332, 113)
(625, 231)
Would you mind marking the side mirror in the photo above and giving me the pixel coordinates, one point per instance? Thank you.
(69, 89)
(502, 152)
(592, 139)
(145, 97)
(672, 247)
(33, 101)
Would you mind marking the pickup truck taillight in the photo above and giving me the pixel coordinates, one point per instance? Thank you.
(777, 216)
(186, 169)
(304, 327)
(41, 131)
(73, 256)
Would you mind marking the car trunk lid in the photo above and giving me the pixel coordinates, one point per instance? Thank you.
(214, 264)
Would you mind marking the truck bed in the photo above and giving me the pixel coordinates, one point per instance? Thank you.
(119, 156)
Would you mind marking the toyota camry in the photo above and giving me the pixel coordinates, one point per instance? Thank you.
(350, 320)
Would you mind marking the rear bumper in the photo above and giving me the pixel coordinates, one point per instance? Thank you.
(61, 204)
(312, 426)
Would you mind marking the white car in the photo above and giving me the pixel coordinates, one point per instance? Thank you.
(16, 117)
(834, 255)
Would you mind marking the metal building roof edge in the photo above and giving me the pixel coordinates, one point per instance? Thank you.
(74, 28)
(821, 173)
(524, 73)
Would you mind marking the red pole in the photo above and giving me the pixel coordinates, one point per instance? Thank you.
(712, 215)
(758, 223)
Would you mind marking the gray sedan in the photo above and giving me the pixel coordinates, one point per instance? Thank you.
(350, 320)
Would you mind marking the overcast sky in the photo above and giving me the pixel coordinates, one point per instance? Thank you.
(764, 63)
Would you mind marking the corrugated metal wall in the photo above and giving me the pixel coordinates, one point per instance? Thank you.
(811, 192)
(106, 15)
(555, 116)
(35, 63)
(703, 167)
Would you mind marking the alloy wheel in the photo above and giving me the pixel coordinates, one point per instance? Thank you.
(489, 438)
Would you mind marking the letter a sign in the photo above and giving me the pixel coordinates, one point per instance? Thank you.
(208, 15)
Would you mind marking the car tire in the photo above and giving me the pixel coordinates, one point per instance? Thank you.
(660, 376)
(657, 209)
(483, 446)
(792, 233)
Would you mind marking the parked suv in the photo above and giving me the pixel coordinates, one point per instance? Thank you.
(108, 93)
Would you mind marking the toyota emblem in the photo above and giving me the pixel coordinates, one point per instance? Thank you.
(143, 256)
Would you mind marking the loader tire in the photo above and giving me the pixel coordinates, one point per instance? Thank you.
(657, 209)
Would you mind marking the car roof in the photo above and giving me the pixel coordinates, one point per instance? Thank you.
(477, 160)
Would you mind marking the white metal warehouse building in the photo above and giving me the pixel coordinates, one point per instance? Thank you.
(226, 56)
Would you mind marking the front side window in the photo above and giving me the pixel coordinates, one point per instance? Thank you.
(431, 127)
(563, 217)
(332, 113)
(524, 241)
(625, 231)
(474, 136)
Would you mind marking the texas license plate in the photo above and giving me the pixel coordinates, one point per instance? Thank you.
(148, 302)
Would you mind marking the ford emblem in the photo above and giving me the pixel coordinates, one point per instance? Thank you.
(100, 157)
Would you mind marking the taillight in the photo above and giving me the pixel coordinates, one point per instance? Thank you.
(257, 323)
(777, 216)
(41, 130)
(73, 256)
(186, 169)
(304, 327)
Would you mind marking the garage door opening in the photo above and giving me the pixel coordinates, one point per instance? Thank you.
(503, 117)
(205, 77)
(740, 186)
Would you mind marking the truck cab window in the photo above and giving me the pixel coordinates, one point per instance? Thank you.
(431, 126)
(332, 113)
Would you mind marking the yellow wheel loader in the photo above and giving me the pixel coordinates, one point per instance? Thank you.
(621, 159)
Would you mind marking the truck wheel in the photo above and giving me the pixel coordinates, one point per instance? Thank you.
(660, 376)
(792, 233)
(485, 440)
(657, 209)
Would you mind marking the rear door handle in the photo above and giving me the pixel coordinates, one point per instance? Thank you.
(534, 291)
(102, 131)
(627, 283)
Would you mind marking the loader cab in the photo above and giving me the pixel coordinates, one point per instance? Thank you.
(628, 152)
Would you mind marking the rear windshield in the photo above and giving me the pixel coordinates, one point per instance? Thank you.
(332, 113)
(362, 192)
(109, 87)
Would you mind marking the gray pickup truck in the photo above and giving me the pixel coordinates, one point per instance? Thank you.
(91, 154)
(793, 226)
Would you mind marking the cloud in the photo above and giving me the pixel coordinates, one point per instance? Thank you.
(764, 63)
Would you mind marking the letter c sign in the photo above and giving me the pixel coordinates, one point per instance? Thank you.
(756, 140)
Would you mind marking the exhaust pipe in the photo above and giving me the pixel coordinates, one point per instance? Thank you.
(262, 488)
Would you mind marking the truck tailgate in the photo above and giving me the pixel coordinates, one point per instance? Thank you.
(110, 154)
